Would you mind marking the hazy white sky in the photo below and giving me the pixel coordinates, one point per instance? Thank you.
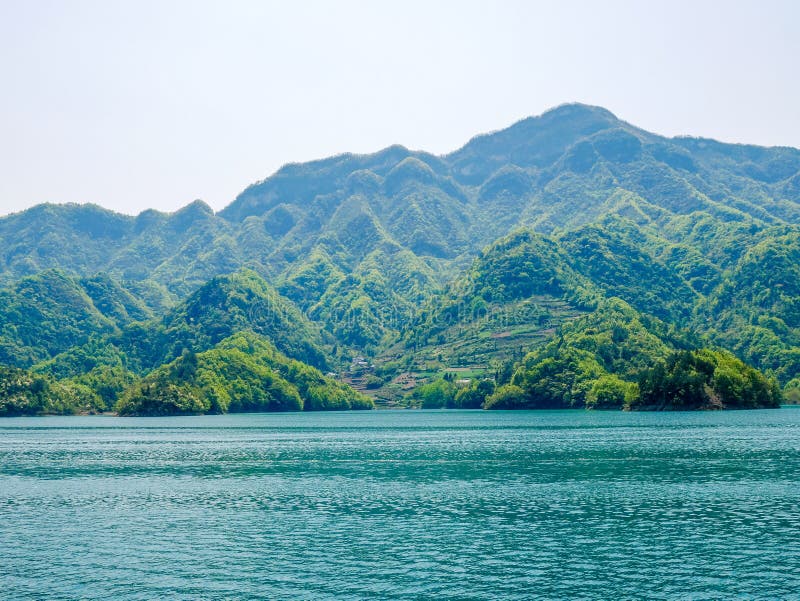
(140, 103)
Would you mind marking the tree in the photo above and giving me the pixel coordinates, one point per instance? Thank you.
(508, 396)
(474, 395)
(436, 395)
(611, 392)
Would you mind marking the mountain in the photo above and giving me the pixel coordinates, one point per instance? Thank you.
(225, 305)
(238, 302)
(47, 313)
(562, 169)
(423, 264)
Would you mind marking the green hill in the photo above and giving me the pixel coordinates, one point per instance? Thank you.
(226, 305)
(242, 373)
(47, 313)
(617, 358)
(241, 301)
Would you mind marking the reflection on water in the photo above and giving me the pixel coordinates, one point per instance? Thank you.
(397, 505)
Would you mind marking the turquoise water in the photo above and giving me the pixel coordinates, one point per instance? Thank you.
(402, 505)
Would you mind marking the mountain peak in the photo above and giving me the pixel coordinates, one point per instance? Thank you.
(576, 109)
(532, 142)
(185, 217)
(197, 206)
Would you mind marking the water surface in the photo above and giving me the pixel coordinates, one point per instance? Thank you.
(399, 505)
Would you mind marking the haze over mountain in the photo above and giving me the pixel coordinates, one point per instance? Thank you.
(406, 257)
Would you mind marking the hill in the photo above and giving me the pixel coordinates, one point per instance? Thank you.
(244, 372)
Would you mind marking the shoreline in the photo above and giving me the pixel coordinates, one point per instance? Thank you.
(416, 410)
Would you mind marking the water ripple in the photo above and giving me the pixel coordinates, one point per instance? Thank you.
(455, 505)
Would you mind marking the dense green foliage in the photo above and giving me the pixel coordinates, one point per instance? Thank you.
(705, 379)
(507, 396)
(242, 373)
(791, 392)
(107, 382)
(611, 255)
(220, 308)
(578, 247)
(26, 393)
(756, 311)
(617, 358)
(437, 394)
(444, 393)
(44, 314)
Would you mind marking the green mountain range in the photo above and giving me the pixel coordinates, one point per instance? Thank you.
(569, 260)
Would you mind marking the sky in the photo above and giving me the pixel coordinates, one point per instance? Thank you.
(152, 104)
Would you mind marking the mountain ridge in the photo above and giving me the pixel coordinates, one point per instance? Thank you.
(394, 149)
(697, 233)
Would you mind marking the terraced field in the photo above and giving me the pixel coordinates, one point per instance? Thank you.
(469, 347)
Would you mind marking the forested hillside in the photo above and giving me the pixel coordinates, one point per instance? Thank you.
(400, 269)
